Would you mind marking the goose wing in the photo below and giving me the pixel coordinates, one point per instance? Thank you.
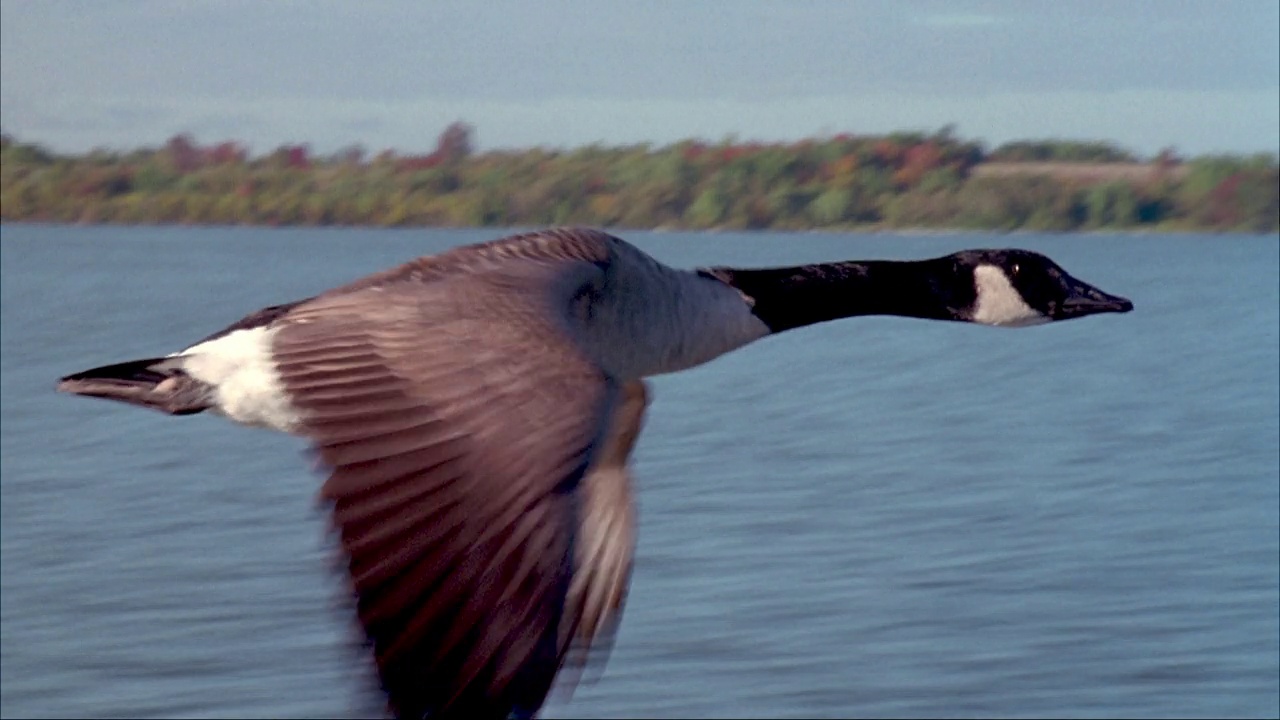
(604, 549)
(459, 418)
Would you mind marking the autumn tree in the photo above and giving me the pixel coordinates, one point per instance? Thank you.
(454, 144)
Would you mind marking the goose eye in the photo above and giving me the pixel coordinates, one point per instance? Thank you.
(1014, 270)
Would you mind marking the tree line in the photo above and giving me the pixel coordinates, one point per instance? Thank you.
(899, 180)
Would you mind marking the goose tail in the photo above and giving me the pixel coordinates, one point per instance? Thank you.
(156, 383)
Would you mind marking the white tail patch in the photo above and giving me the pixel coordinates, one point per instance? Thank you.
(999, 302)
(240, 368)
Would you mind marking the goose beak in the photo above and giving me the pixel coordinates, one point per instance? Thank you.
(1084, 299)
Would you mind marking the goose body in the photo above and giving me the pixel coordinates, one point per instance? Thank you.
(476, 411)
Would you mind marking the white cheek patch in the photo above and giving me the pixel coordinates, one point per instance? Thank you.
(999, 303)
(240, 368)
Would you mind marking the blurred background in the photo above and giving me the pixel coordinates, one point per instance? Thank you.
(881, 518)
(839, 115)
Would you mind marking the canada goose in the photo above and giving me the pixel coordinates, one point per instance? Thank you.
(477, 409)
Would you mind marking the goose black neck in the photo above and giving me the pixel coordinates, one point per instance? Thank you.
(790, 297)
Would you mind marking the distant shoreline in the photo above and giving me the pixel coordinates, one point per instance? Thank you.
(624, 232)
(903, 182)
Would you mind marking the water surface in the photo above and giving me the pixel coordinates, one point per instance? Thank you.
(864, 518)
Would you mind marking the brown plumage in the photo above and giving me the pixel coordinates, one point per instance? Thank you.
(479, 555)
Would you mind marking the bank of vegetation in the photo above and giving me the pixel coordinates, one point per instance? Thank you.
(901, 180)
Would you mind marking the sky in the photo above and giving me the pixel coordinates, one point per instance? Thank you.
(1202, 76)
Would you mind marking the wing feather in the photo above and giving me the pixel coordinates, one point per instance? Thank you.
(605, 550)
(459, 420)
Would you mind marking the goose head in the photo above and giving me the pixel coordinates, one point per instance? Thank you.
(1017, 288)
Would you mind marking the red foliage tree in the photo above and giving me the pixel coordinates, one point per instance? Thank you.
(694, 150)
(183, 153)
(299, 157)
(918, 160)
(454, 144)
(887, 152)
(227, 153)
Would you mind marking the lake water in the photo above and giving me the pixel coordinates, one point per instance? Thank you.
(870, 517)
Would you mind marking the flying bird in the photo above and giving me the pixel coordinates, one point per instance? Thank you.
(476, 410)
